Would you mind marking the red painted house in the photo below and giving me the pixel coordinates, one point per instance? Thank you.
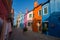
(5, 11)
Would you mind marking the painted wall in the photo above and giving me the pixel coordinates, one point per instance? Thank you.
(36, 17)
(54, 19)
(36, 14)
(3, 11)
(45, 16)
(25, 18)
(55, 4)
(30, 18)
(18, 21)
(21, 20)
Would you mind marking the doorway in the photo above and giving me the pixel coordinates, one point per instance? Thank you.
(45, 27)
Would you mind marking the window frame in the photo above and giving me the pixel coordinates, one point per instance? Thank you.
(44, 10)
(30, 15)
(41, 12)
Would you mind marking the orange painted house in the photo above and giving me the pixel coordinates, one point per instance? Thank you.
(37, 17)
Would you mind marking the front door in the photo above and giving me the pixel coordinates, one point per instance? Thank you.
(45, 26)
(39, 25)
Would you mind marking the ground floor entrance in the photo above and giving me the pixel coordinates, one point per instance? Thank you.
(37, 26)
(45, 27)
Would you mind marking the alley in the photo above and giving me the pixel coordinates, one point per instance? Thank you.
(18, 35)
(36, 17)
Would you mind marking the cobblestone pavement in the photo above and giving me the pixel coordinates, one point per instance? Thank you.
(19, 35)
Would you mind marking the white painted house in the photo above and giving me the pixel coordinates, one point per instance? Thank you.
(30, 20)
(18, 21)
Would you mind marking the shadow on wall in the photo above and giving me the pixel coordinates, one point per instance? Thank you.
(54, 24)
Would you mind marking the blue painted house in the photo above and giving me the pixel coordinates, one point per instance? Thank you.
(54, 18)
(51, 17)
(45, 15)
(21, 20)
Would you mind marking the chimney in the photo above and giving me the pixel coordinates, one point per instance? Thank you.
(35, 3)
(26, 10)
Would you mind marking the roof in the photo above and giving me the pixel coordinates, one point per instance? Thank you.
(38, 6)
(28, 12)
(42, 4)
(45, 2)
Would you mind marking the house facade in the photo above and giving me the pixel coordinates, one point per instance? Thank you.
(21, 20)
(51, 17)
(5, 10)
(30, 20)
(18, 21)
(45, 15)
(25, 18)
(37, 17)
(54, 19)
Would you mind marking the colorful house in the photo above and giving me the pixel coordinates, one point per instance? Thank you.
(51, 17)
(25, 18)
(54, 18)
(18, 21)
(45, 15)
(37, 17)
(5, 10)
(21, 20)
(30, 20)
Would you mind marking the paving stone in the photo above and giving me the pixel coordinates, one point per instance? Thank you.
(29, 35)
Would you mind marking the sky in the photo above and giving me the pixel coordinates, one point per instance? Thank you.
(21, 5)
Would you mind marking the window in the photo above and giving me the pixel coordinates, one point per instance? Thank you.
(46, 24)
(45, 10)
(30, 15)
(39, 12)
(29, 23)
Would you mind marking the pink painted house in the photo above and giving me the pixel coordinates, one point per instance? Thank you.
(25, 18)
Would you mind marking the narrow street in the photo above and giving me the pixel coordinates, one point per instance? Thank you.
(40, 19)
(18, 35)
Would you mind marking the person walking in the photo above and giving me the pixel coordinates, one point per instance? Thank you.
(24, 29)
